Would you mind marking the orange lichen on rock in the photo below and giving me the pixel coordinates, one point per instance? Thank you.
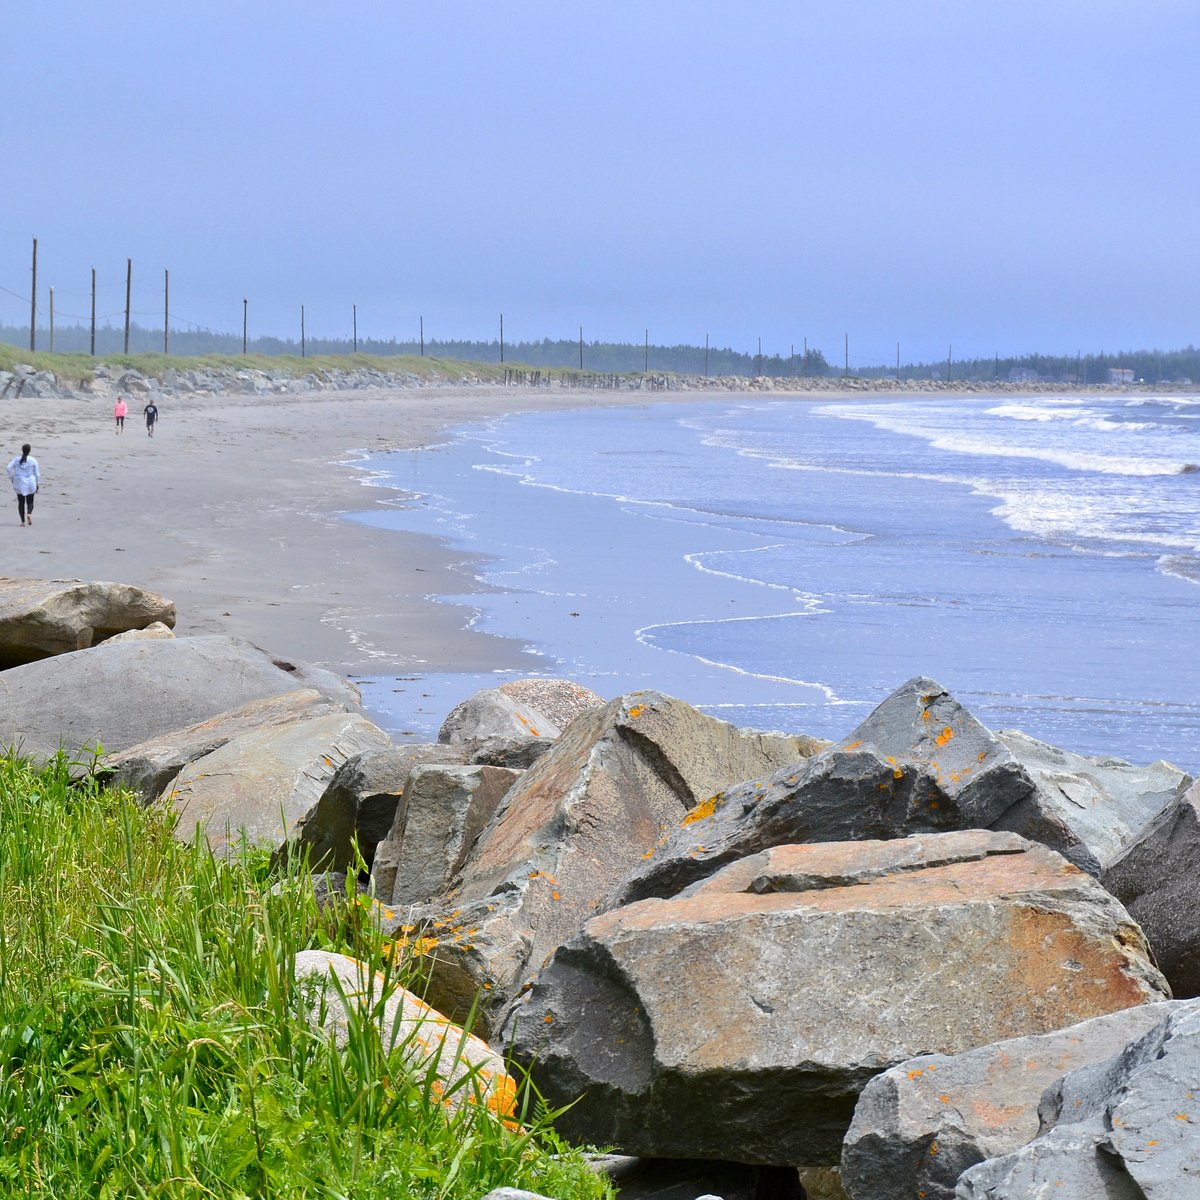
(943, 737)
(702, 811)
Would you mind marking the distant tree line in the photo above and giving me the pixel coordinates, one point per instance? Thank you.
(1151, 366)
(1148, 366)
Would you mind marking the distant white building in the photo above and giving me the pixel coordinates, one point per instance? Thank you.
(1120, 375)
(1022, 375)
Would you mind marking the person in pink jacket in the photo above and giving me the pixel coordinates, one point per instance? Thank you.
(119, 411)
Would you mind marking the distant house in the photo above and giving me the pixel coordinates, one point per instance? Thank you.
(1022, 375)
(1120, 375)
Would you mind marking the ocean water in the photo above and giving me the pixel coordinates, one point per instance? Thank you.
(786, 563)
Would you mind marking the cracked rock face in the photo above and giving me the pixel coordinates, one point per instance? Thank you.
(743, 1017)
(920, 763)
(569, 828)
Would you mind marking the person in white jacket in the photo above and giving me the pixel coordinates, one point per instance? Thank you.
(24, 475)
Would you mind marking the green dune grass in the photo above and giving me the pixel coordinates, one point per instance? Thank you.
(154, 1041)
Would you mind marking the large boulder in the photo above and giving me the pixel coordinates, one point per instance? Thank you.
(918, 1126)
(147, 768)
(1157, 878)
(1122, 1127)
(742, 1019)
(442, 812)
(359, 804)
(1105, 802)
(491, 713)
(43, 617)
(259, 784)
(119, 694)
(571, 827)
(919, 763)
(562, 700)
(343, 993)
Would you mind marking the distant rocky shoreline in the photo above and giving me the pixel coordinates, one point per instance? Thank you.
(108, 379)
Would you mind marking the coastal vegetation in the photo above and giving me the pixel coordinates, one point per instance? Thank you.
(154, 1041)
(435, 359)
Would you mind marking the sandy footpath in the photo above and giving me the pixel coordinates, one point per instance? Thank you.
(232, 511)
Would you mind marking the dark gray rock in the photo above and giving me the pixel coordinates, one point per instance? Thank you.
(918, 1126)
(1157, 878)
(441, 814)
(1071, 1163)
(518, 754)
(360, 803)
(1123, 1127)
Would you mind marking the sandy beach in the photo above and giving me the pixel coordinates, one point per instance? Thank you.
(232, 510)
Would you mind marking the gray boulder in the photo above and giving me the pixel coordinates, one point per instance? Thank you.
(360, 804)
(1120, 1128)
(919, 763)
(147, 768)
(491, 713)
(442, 812)
(1071, 1163)
(572, 826)
(1157, 878)
(742, 1018)
(518, 754)
(562, 700)
(918, 1126)
(121, 694)
(259, 784)
(1104, 801)
(44, 617)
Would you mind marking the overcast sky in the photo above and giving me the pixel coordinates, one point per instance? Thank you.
(1000, 175)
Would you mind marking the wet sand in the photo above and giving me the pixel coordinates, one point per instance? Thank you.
(232, 510)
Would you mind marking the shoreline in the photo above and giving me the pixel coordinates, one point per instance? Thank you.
(236, 511)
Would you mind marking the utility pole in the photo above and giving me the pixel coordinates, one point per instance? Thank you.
(706, 356)
(422, 320)
(581, 347)
(355, 307)
(949, 362)
(302, 331)
(166, 309)
(646, 364)
(897, 362)
(245, 305)
(128, 295)
(93, 312)
(758, 359)
(846, 372)
(501, 337)
(33, 302)
(51, 320)
(804, 360)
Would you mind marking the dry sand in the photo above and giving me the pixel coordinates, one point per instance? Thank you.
(232, 511)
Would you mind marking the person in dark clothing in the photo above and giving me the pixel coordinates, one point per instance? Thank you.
(151, 412)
